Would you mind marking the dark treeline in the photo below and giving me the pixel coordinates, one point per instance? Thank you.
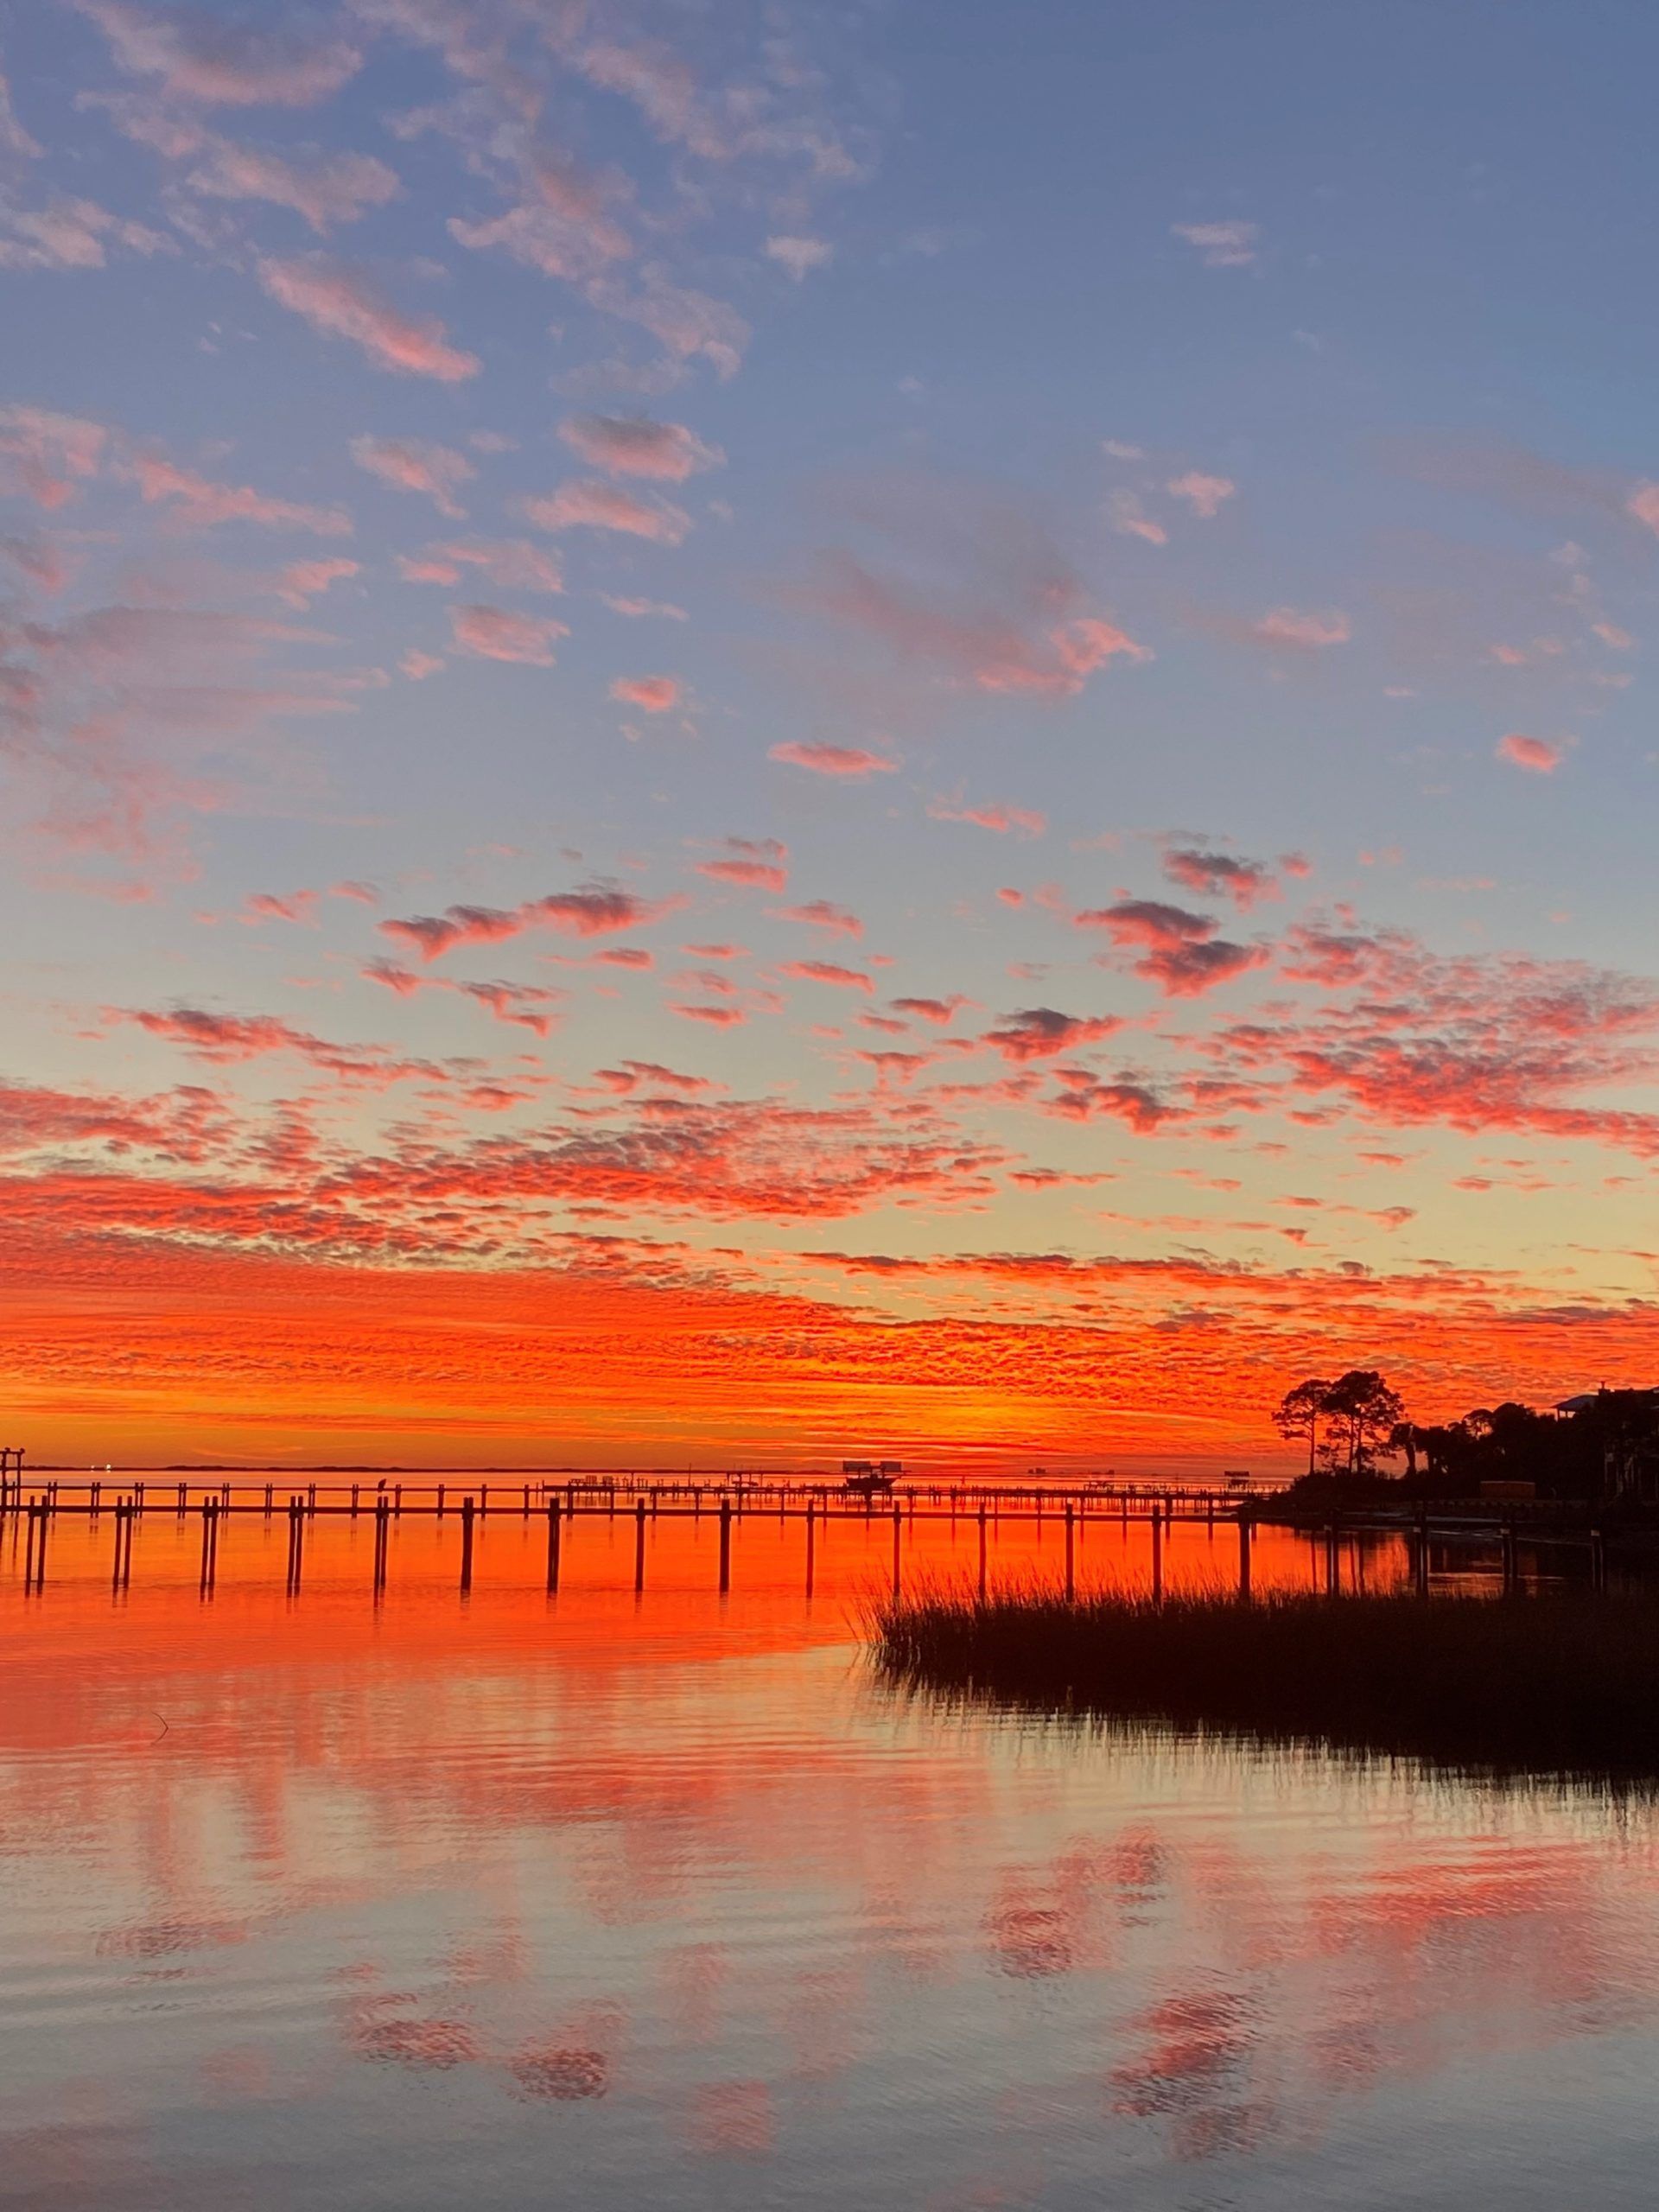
(1599, 1448)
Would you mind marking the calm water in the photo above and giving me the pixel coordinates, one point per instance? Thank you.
(615, 1902)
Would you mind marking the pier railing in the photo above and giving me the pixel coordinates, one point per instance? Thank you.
(37, 1500)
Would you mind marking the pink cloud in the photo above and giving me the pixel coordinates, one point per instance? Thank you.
(215, 62)
(819, 914)
(975, 589)
(833, 760)
(510, 564)
(1215, 875)
(501, 634)
(596, 910)
(559, 240)
(342, 303)
(301, 582)
(1183, 954)
(416, 465)
(685, 323)
(587, 505)
(268, 907)
(939, 1011)
(1290, 626)
(226, 1039)
(521, 1004)
(656, 695)
(48, 454)
(1475, 1042)
(1039, 1032)
(718, 1017)
(800, 256)
(1204, 494)
(826, 971)
(198, 504)
(1130, 519)
(1535, 754)
(997, 816)
(1230, 245)
(630, 1074)
(637, 608)
(47, 565)
(417, 665)
(756, 874)
(1082, 646)
(326, 190)
(71, 233)
(113, 715)
(756, 863)
(634, 446)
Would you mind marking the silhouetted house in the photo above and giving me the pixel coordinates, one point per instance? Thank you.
(1624, 1425)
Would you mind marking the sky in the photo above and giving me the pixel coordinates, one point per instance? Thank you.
(737, 732)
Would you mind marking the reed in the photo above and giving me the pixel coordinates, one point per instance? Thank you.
(1559, 1684)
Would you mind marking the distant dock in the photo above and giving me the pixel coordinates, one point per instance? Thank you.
(30, 1503)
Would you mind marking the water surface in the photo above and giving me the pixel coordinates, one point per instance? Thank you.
(615, 1900)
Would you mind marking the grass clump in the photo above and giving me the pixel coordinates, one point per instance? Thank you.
(1564, 1684)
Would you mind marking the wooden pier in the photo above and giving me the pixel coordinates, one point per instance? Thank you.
(36, 1501)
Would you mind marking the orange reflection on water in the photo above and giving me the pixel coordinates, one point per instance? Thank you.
(315, 1898)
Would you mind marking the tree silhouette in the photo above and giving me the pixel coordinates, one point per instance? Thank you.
(1299, 1412)
(1362, 1413)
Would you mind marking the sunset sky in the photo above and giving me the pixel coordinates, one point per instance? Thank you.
(733, 732)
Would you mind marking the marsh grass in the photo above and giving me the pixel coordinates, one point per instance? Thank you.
(1560, 1684)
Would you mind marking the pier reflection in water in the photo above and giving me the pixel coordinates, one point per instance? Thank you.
(626, 1898)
